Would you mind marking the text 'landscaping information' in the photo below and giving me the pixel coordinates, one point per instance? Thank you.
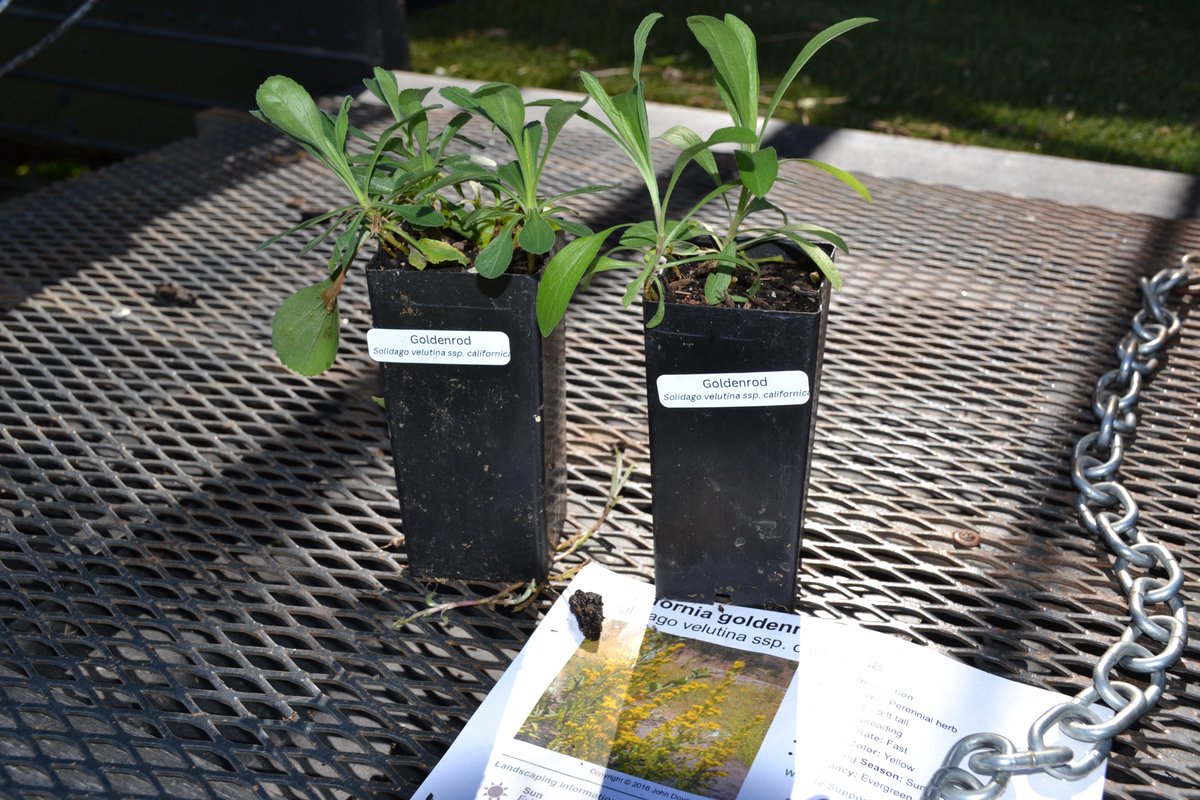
(682, 701)
(787, 387)
(468, 348)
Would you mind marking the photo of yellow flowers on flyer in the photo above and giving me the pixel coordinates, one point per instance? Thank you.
(677, 711)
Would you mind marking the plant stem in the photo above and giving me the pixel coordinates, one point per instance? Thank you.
(330, 295)
(738, 218)
(517, 595)
(619, 477)
(504, 597)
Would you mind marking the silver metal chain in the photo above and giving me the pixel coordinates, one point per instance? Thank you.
(1148, 574)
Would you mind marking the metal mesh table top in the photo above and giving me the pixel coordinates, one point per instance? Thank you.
(200, 553)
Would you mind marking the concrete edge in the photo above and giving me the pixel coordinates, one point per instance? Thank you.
(1111, 187)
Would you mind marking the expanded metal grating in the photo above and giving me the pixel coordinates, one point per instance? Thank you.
(201, 555)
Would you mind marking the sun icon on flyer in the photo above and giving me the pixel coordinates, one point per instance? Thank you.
(495, 790)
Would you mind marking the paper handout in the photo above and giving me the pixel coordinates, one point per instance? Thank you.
(682, 701)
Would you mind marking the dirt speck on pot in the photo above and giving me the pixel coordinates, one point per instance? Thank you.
(588, 610)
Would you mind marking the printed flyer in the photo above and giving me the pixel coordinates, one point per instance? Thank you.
(681, 701)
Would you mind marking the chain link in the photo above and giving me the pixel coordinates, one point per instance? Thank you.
(1106, 509)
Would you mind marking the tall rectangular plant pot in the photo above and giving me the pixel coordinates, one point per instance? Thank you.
(732, 400)
(477, 439)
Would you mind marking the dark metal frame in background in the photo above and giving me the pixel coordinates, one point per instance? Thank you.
(131, 75)
(200, 562)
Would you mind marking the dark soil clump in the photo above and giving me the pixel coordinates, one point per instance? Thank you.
(588, 609)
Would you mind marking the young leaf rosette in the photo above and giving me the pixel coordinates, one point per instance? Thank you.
(674, 240)
(519, 216)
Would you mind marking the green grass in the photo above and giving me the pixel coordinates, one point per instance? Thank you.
(1101, 80)
(24, 168)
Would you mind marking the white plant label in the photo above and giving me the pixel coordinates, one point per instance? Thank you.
(729, 389)
(468, 348)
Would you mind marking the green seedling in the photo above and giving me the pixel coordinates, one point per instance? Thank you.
(412, 195)
(668, 242)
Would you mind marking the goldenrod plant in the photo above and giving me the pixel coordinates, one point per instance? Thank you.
(675, 239)
(415, 196)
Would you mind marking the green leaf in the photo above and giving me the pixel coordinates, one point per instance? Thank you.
(557, 115)
(758, 170)
(512, 177)
(571, 226)
(639, 41)
(500, 103)
(379, 401)
(638, 284)
(599, 123)
(562, 275)
(731, 46)
(826, 234)
(320, 238)
(304, 331)
(536, 235)
(290, 108)
(841, 174)
(622, 113)
(451, 129)
(384, 86)
(759, 204)
(345, 248)
(661, 311)
(423, 216)
(343, 122)
(717, 282)
(820, 258)
(412, 101)
(503, 105)
(459, 174)
(308, 223)
(494, 259)
(703, 202)
(531, 144)
(439, 252)
(684, 137)
(631, 106)
(377, 159)
(460, 97)
(810, 49)
(480, 217)
(379, 184)
(606, 264)
(627, 112)
(715, 286)
(719, 136)
(684, 229)
(414, 186)
(640, 236)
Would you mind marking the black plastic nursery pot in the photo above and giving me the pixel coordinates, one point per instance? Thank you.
(475, 405)
(732, 399)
